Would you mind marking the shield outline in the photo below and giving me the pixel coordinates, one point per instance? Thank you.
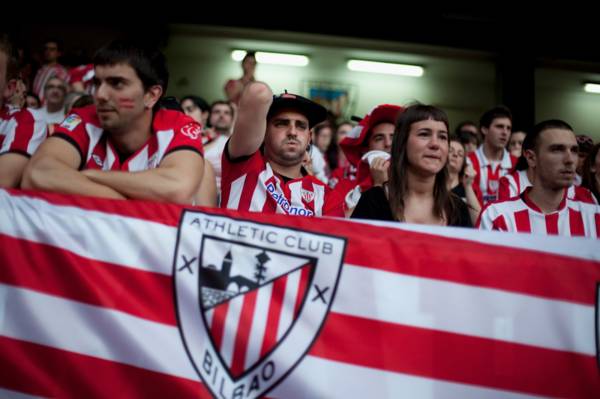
(341, 241)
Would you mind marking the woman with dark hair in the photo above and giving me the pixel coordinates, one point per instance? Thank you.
(591, 172)
(461, 176)
(417, 191)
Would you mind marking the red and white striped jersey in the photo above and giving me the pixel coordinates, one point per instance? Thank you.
(517, 181)
(487, 176)
(249, 184)
(172, 131)
(21, 130)
(84, 74)
(521, 215)
(44, 74)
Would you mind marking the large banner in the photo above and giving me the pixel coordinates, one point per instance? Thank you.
(111, 299)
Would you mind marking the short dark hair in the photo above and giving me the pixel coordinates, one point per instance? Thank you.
(531, 140)
(221, 102)
(12, 65)
(248, 55)
(148, 62)
(59, 43)
(499, 111)
(198, 101)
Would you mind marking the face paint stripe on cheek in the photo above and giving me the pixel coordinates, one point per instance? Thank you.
(126, 103)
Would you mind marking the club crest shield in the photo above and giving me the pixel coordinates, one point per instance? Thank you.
(251, 298)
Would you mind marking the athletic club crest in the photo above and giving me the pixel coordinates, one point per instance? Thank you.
(251, 298)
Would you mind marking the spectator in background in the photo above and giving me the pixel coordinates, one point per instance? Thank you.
(591, 172)
(585, 144)
(54, 107)
(367, 148)
(491, 161)
(460, 178)
(51, 68)
(21, 130)
(515, 143)
(234, 87)
(32, 100)
(221, 121)
(468, 129)
(550, 150)
(197, 108)
(417, 191)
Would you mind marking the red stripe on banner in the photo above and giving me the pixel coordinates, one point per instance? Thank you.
(467, 262)
(552, 224)
(597, 219)
(522, 221)
(576, 223)
(304, 274)
(275, 305)
(458, 358)
(40, 370)
(55, 271)
(243, 333)
(217, 326)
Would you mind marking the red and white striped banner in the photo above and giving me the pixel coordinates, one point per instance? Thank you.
(102, 298)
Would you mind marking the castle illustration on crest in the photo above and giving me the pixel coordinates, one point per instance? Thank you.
(219, 285)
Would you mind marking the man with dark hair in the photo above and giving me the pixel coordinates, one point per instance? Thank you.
(262, 161)
(221, 122)
(491, 160)
(545, 208)
(197, 108)
(21, 130)
(125, 145)
(52, 52)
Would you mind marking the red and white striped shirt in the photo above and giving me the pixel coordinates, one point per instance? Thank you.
(172, 131)
(44, 74)
(521, 215)
(487, 175)
(516, 182)
(21, 130)
(249, 184)
(84, 74)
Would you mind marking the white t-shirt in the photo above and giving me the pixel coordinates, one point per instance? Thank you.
(53, 117)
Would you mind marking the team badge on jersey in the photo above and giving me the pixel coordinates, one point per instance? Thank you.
(307, 195)
(71, 122)
(192, 130)
(251, 299)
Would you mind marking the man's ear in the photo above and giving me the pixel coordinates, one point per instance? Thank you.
(152, 95)
(484, 131)
(530, 157)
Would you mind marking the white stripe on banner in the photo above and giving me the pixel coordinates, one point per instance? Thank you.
(90, 234)
(8, 394)
(259, 324)
(232, 323)
(332, 380)
(465, 309)
(90, 330)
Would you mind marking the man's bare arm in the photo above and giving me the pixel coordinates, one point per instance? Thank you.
(12, 166)
(175, 180)
(54, 167)
(251, 122)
